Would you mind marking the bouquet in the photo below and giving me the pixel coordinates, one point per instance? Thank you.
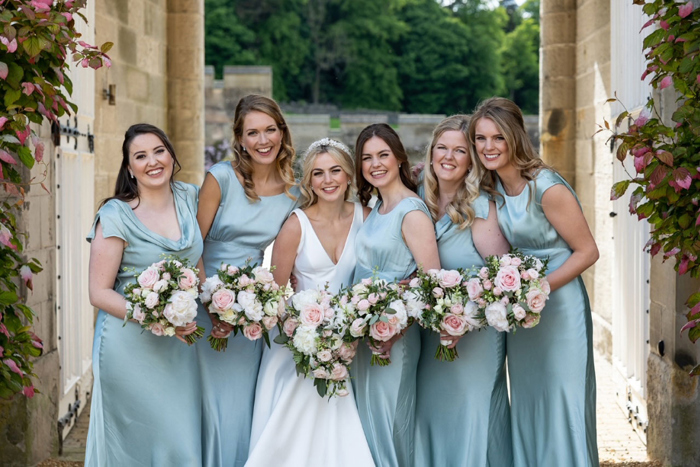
(440, 299)
(314, 330)
(247, 298)
(375, 309)
(511, 290)
(164, 297)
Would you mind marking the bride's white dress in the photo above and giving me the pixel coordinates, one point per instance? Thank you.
(292, 425)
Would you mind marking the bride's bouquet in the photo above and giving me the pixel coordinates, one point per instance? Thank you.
(375, 309)
(441, 302)
(246, 298)
(164, 297)
(314, 330)
(511, 290)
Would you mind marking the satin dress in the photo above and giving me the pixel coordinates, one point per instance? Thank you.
(386, 395)
(462, 408)
(292, 425)
(136, 416)
(240, 230)
(552, 379)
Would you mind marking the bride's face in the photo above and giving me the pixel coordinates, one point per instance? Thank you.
(328, 179)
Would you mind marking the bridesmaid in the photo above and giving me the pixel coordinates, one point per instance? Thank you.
(317, 244)
(397, 236)
(462, 409)
(242, 206)
(550, 366)
(136, 418)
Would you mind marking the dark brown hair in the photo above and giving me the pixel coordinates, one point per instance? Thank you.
(389, 136)
(126, 188)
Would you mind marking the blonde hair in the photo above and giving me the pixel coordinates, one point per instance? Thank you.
(242, 160)
(508, 118)
(342, 157)
(460, 208)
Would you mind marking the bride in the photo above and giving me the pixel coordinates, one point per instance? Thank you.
(292, 424)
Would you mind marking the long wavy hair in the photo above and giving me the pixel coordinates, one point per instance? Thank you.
(242, 160)
(391, 138)
(344, 159)
(126, 188)
(508, 118)
(460, 208)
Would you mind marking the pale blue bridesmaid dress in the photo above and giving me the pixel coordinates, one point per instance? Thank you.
(552, 379)
(146, 407)
(386, 395)
(240, 230)
(462, 408)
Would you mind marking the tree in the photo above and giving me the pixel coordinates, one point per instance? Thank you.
(520, 65)
(227, 40)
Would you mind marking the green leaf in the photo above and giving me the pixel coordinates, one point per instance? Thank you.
(7, 298)
(11, 96)
(321, 386)
(654, 38)
(694, 334)
(684, 221)
(665, 157)
(619, 189)
(106, 47)
(693, 300)
(25, 155)
(622, 151)
(32, 46)
(15, 76)
(281, 339)
(686, 65)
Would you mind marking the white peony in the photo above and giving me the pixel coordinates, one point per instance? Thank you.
(181, 308)
(496, 315)
(401, 315)
(210, 286)
(305, 340)
(414, 305)
(471, 310)
(305, 297)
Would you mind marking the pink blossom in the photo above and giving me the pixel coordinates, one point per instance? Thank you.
(664, 25)
(13, 366)
(438, 292)
(666, 82)
(148, 277)
(536, 300)
(487, 284)
(339, 372)
(497, 291)
(290, 324)
(253, 331)
(382, 331)
(454, 325)
(685, 10)
(508, 279)
(373, 298)
(3, 120)
(474, 288)
(157, 329)
(26, 274)
(188, 279)
(28, 391)
(6, 237)
(312, 315)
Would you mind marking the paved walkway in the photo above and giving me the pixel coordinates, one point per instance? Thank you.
(618, 444)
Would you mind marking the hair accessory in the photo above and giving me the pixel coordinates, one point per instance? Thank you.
(327, 142)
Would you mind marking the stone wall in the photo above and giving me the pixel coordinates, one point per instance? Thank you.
(28, 431)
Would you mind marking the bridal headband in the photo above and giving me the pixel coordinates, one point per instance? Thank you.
(328, 142)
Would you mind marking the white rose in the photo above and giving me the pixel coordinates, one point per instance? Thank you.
(401, 315)
(471, 310)
(210, 286)
(496, 315)
(271, 308)
(181, 309)
(305, 340)
(160, 285)
(169, 331)
(263, 275)
(151, 300)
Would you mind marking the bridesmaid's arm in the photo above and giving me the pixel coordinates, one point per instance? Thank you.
(105, 259)
(284, 252)
(487, 235)
(209, 200)
(365, 212)
(418, 232)
(563, 212)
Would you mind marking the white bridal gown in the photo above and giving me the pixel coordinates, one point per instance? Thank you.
(292, 425)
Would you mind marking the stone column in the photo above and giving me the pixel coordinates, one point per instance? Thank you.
(558, 86)
(186, 86)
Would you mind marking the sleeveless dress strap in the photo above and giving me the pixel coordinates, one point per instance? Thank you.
(305, 224)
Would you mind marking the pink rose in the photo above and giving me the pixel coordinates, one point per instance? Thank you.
(519, 312)
(536, 300)
(433, 273)
(245, 281)
(342, 392)
(454, 325)
(289, 326)
(415, 282)
(363, 305)
(151, 300)
(324, 355)
(505, 260)
(138, 314)
(188, 279)
(508, 279)
(457, 309)
(437, 292)
(525, 276)
(269, 322)
(484, 272)
(373, 298)
(487, 284)
(166, 276)
(357, 328)
(366, 282)
(253, 331)
(497, 291)
(533, 273)
(449, 278)
(339, 372)
(312, 314)
(158, 329)
(530, 321)
(381, 331)
(515, 261)
(321, 373)
(474, 288)
(148, 277)
(354, 300)
(328, 312)
(327, 332)
(232, 270)
(382, 295)
(544, 285)
(347, 351)
(223, 299)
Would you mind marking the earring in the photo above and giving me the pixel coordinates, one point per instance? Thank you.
(244, 149)
(131, 173)
(349, 182)
(399, 166)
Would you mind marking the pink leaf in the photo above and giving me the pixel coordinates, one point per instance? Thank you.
(689, 325)
(672, 252)
(682, 177)
(28, 391)
(28, 88)
(2, 175)
(39, 152)
(3, 120)
(12, 189)
(59, 73)
(22, 135)
(5, 237)
(41, 5)
(68, 16)
(664, 25)
(85, 63)
(6, 157)
(4, 70)
(683, 265)
(13, 366)
(643, 118)
(685, 10)
(26, 274)
(697, 222)
(666, 82)
(647, 24)
(3, 330)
